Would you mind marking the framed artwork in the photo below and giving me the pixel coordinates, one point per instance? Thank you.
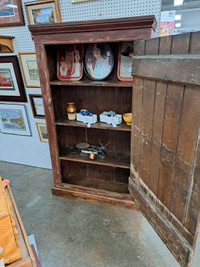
(37, 106)
(43, 11)
(11, 84)
(69, 62)
(42, 132)
(80, 1)
(13, 119)
(98, 61)
(29, 68)
(124, 68)
(11, 13)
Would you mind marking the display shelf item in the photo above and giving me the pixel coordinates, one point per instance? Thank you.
(114, 120)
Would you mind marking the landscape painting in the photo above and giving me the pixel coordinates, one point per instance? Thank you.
(42, 132)
(43, 15)
(11, 83)
(6, 8)
(6, 81)
(33, 69)
(29, 67)
(13, 119)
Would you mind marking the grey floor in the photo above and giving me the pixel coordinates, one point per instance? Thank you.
(73, 233)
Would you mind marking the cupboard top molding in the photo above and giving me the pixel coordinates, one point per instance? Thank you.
(40, 32)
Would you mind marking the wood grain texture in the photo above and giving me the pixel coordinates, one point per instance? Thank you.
(173, 189)
(95, 195)
(49, 111)
(167, 232)
(180, 43)
(106, 25)
(168, 68)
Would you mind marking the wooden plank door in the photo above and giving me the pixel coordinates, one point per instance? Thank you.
(165, 139)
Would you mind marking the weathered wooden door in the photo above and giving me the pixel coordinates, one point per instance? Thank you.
(165, 141)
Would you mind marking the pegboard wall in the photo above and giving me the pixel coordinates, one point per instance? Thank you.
(29, 150)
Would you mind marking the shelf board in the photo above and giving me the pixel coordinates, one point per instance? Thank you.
(111, 186)
(116, 160)
(85, 82)
(63, 121)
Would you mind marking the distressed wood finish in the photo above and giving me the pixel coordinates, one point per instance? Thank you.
(165, 155)
(104, 181)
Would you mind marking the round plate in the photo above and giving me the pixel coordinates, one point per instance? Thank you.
(82, 145)
(98, 61)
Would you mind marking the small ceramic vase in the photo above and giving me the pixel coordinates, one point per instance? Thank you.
(71, 111)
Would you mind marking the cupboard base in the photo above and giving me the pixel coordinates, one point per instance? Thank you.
(94, 195)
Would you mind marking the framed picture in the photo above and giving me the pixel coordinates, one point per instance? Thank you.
(80, 1)
(13, 119)
(11, 13)
(42, 132)
(37, 106)
(29, 67)
(98, 61)
(69, 62)
(43, 11)
(124, 68)
(11, 84)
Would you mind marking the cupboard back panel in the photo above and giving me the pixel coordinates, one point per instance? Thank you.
(101, 177)
(94, 99)
(119, 142)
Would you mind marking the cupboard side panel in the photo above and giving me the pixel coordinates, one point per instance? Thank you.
(159, 112)
(135, 128)
(49, 111)
(146, 127)
(169, 142)
(183, 174)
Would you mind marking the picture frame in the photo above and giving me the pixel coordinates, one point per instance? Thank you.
(42, 132)
(98, 61)
(11, 13)
(13, 119)
(80, 1)
(69, 62)
(124, 67)
(37, 106)
(43, 11)
(11, 83)
(29, 68)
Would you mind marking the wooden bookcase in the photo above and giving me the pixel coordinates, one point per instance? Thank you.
(100, 180)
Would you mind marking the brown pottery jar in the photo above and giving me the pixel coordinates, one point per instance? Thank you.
(71, 111)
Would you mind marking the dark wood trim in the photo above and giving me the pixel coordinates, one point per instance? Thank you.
(130, 23)
(94, 195)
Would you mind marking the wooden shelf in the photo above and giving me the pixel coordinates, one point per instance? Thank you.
(91, 83)
(97, 184)
(63, 121)
(116, 160)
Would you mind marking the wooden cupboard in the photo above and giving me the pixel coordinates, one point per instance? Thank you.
(155, 162)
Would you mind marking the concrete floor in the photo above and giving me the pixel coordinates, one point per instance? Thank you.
(75, 233)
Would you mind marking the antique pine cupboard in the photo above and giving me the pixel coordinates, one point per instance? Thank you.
(156, 161)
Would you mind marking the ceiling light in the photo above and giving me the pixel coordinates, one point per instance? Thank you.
(178, 25)
(178, 2)
(178, 17)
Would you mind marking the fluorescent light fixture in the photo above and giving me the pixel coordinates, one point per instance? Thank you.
(177, 25)
(178, 17)
(178, 2)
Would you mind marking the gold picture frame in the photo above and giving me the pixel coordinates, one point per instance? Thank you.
(43, 11)
(42, 132)
(29, 68)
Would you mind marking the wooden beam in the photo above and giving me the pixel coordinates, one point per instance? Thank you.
(168, 68)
